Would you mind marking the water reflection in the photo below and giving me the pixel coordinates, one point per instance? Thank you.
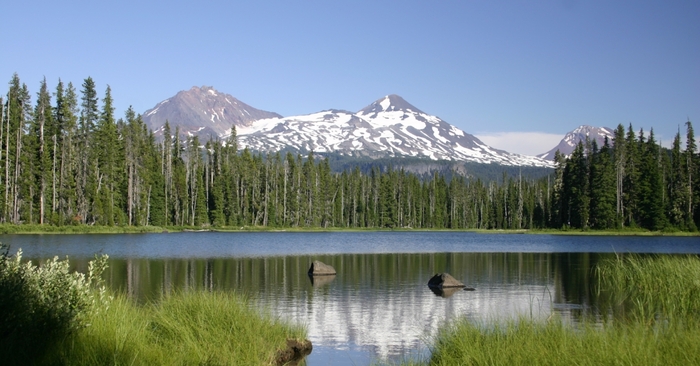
(377, 302)
(318, 281)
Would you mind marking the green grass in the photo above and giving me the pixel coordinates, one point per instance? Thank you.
(191, 328)
(651, 288)
(529, 342)
(51, 316)
(652, 317)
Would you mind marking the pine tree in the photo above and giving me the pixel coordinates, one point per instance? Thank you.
(18, 180)
(620, 164)
(576, 188)
(650, 192)
(631, 178)
(42, 128)
(677, 190)
(86, 179)
(107, 168)
(387, 200)
(692, 174)
(167, 172)
(66, 117)
(603, 184)
(179, 195)
(559, 204)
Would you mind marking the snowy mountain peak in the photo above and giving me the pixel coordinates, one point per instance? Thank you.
(389, 103)
(572, 138)
(593, 133)
(389, 127)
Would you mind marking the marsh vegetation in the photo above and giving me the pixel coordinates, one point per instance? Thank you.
(53, 316)
(650, 314)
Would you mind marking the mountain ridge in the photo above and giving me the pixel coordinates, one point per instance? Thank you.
(388, 127)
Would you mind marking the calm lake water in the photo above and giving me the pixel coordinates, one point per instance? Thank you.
(379, 306)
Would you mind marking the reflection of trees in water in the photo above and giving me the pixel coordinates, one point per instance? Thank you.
(576, 285)
(144, 279)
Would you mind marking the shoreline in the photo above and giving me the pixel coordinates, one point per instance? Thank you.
(11, 229)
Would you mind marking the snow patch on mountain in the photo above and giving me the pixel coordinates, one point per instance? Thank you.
(388, 127)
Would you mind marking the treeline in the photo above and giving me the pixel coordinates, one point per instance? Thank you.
(629, 182)
(66, 160)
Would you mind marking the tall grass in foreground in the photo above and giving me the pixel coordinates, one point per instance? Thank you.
(655, 303)
(649, 288)
(529, 342)
(191, 328)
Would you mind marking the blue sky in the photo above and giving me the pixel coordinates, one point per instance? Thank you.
(492, 68)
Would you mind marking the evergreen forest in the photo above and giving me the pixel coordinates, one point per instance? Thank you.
(66, 159)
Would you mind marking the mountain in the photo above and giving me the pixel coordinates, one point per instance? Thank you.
(571, 139)
(202, 111)
(389, 127)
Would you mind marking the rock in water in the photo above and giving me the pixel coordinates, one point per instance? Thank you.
(444, 280)
(319, 268)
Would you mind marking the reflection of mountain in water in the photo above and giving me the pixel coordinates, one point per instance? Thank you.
(378, 302)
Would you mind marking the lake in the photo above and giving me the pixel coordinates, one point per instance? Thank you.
(378, 306)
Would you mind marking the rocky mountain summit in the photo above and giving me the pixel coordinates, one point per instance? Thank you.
(202, 111)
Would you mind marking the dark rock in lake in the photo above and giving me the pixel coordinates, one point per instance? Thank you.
(319, 268)
(318, 281)
(444, 280)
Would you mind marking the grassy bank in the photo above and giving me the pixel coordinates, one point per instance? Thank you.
(52, 316)
(653, 312)
(191, 328)
(77, 229)
(528, 342)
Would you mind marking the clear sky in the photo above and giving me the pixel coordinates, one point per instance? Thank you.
(492, 68)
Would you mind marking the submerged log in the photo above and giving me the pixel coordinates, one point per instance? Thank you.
(444, 280)
(319, 268)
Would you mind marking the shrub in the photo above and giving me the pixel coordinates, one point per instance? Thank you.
(39, 304)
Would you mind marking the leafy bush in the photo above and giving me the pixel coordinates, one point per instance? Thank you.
(39, 304)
